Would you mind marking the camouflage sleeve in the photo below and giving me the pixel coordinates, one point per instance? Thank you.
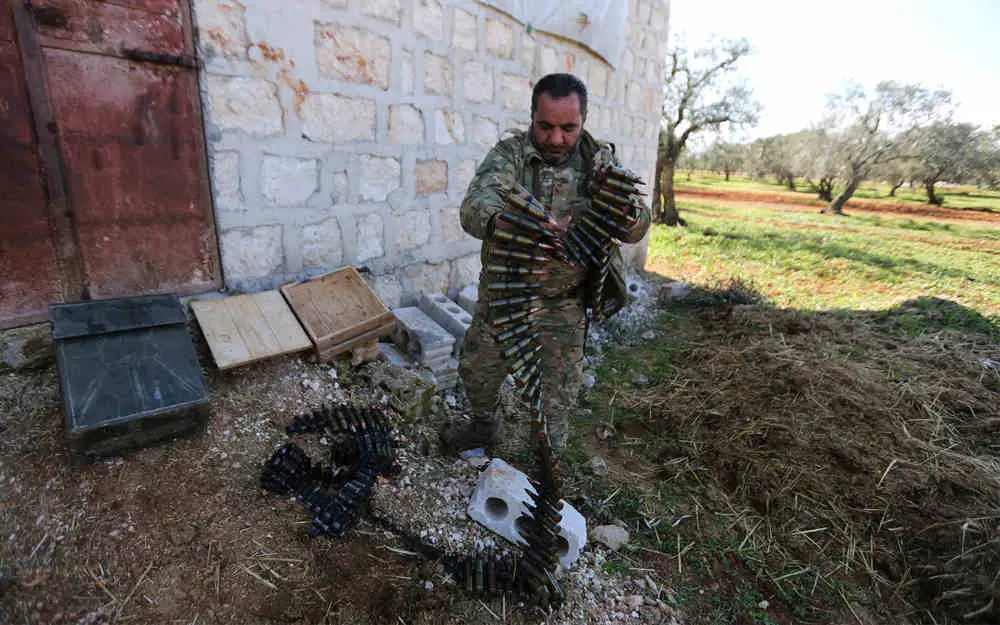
(639, 228)
(606, 155)
(487, 192)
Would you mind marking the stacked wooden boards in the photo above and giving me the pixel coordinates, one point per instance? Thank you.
(333, 313)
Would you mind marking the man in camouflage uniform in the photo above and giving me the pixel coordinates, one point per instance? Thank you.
(553, 160)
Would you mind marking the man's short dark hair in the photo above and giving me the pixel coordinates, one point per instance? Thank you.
(560, 86)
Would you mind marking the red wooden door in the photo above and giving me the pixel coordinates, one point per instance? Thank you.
(114, 92)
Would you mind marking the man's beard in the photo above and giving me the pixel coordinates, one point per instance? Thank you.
(562, 160)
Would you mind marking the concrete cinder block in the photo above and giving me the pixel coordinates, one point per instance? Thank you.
(500, 499)
(420, 337)
(467, 298)
(448, 315)
(445, 373)
(393, 356)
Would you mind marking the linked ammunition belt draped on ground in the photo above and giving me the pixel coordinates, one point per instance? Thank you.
(521, 245)
(334, 493)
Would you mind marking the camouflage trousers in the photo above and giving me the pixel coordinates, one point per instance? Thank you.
(483, 369)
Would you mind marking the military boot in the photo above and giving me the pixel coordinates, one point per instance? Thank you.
(480, 432)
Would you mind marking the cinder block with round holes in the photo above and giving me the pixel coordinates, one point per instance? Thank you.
(499, 501)
(448, 315)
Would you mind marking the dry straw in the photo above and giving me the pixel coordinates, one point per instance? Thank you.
(839, 450)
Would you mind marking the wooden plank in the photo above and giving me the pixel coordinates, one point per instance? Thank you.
(67, 249)
(248, 328)
(359, 341)
(253, 327)
(221, 334)
(102, 28)
(286, 328)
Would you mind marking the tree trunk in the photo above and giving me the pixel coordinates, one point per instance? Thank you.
(790, 183)
(824, 189)
(667, 213)
(657, 200)
(727, 175)
(836, 207)
(895, 185)
(931, 197)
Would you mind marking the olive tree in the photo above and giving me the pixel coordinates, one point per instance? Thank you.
(945, 152)
(725, 157)
(987, 173)
(701, 94)
(871, 128)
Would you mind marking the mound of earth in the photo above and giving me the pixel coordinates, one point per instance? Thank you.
(846, 448)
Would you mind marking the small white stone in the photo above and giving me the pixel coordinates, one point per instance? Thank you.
(634, 601)
(598, 466)
(611, 536)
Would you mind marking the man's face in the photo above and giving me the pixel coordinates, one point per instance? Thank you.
(556, 125)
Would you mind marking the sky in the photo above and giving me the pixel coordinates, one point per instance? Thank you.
(804, 49)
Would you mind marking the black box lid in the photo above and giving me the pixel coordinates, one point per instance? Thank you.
(93, 318)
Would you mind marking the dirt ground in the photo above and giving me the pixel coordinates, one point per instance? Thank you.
(182, 533)
(179, 532)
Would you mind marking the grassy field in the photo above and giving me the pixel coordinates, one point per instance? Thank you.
(750, 445)
(960, 197)
(804, 260)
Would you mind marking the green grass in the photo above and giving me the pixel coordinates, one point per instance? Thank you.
(804, 260)
(960, 197)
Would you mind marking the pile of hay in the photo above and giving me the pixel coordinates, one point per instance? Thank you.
(850, 450)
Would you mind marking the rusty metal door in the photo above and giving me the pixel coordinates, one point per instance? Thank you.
(113, 89)
(29, 273)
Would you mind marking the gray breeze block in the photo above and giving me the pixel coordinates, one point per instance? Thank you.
(468, 297)
(420, 337)
(448, 315)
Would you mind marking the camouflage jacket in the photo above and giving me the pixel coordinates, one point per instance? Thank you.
(561, 188)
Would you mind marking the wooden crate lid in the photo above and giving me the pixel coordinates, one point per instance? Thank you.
(336, 307)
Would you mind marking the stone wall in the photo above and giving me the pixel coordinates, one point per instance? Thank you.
(346, 131)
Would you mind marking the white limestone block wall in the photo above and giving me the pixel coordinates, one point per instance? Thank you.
(346, 131)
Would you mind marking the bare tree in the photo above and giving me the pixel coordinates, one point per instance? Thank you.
(700, 95)
(871, 128)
